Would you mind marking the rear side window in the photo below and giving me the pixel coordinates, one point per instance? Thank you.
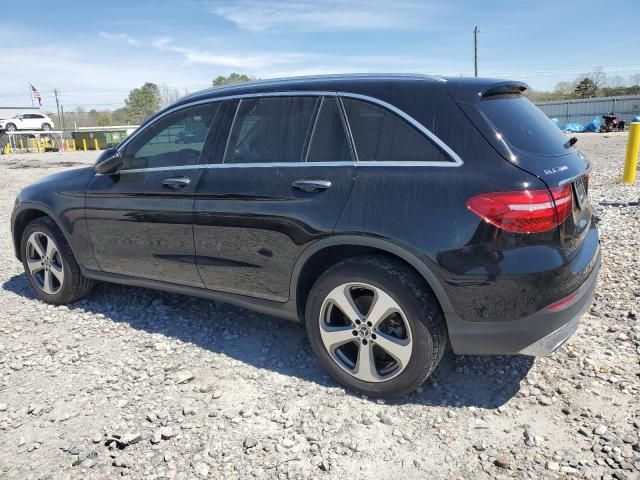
(523, 125)
(381, 136)
(270, 130)
(329, 140)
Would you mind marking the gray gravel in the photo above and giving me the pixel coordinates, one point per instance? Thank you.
(141, 384)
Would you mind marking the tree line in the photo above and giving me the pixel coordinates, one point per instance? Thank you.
(591, 85)
(140, 104)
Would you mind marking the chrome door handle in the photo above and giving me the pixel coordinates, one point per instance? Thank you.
(311, 185)
(176, 182)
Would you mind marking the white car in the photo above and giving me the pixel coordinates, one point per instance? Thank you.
(27, 121)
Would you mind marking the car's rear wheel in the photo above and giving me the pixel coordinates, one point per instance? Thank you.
(375, 326)
(50, 265)
(46, 127)
(10, 127)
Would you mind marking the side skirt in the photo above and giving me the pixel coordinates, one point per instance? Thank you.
(285, 310)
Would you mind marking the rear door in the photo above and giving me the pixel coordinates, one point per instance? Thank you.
(141, 218)
(280, 180)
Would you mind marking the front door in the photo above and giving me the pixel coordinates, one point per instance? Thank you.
(140, 218)
(283, 176)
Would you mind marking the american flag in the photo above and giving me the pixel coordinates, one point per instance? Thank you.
(36, 94)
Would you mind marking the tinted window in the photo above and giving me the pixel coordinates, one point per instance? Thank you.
(173, 140)
(329, 140)
(523, 125)
(37, 116)
(381, 135)
(270, 129)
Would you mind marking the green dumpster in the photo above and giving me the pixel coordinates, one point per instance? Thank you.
(106, 138)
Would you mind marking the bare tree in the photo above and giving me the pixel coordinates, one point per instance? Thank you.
(634, 80)
(168, 95)
(616, 81)
(599, 77)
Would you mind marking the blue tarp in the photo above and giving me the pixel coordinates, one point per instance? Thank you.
(574, 127)
(636, 119)
(593, 125)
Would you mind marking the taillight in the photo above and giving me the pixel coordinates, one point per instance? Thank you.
(524, 211)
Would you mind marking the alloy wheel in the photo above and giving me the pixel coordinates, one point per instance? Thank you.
(366, 332)
(44, 263)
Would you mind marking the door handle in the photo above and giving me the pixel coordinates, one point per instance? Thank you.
(176, 182)
(311, 185)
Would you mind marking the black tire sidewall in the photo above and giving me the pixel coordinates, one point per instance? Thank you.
(421, 361)
(65, 292)
(9, 129)
(46, 127)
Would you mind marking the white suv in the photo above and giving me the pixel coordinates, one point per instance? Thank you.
(27, 121)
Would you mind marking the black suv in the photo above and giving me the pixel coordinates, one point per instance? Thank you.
(393, 214)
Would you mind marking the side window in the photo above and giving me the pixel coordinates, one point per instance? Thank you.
(329, 141)
(380, 135)
(174, 140)
(37, 116)
(270, 129)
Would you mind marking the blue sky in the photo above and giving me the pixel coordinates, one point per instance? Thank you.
(95, 52)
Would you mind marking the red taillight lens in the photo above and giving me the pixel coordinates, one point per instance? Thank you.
(524, 211)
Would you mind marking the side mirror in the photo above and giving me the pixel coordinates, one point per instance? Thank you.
(108, 161)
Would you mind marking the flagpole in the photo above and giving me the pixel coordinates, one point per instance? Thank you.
(31, 95)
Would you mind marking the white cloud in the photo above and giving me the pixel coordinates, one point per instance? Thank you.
(119, 36)
(315, 15)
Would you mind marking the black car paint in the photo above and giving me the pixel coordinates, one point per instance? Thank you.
(253, 233)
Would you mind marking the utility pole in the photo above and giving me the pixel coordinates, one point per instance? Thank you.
(62, 113)
(55, 92)
(475, 50)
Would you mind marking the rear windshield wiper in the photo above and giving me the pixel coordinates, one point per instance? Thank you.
(571, 142)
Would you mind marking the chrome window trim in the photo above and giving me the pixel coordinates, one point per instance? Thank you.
(456, 160)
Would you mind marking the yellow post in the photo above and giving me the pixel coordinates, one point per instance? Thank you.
(21, 144)
(39, 147)
(66, 145)
(631, 160)
(73, 143)
(95, 142)
(84, 144)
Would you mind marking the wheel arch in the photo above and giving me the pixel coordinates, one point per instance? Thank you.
(329, 251)
(25, 214)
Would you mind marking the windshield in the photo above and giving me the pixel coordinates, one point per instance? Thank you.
(523, 125)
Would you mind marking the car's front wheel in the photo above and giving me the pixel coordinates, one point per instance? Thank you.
(49, 263)
(10, 127)
(375, 326)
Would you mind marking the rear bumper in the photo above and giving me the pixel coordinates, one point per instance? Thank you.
(538, 334)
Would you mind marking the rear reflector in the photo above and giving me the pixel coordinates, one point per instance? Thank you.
(524, 211)
(562, 303)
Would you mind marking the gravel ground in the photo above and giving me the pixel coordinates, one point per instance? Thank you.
(136, 383)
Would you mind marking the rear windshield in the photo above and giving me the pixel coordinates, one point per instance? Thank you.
(523, 125)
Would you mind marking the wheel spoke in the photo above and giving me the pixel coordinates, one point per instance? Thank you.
(365, 369)
(333, 337)
(57, 272)
(34, 241)
(47, 286)
(341, 298)
(51, 249)
(34, 265)
(400, 350)
(383, 306)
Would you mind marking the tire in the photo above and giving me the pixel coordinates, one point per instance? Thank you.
(65, 283)
(10, 127)
(412, 326)
(46, 127)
